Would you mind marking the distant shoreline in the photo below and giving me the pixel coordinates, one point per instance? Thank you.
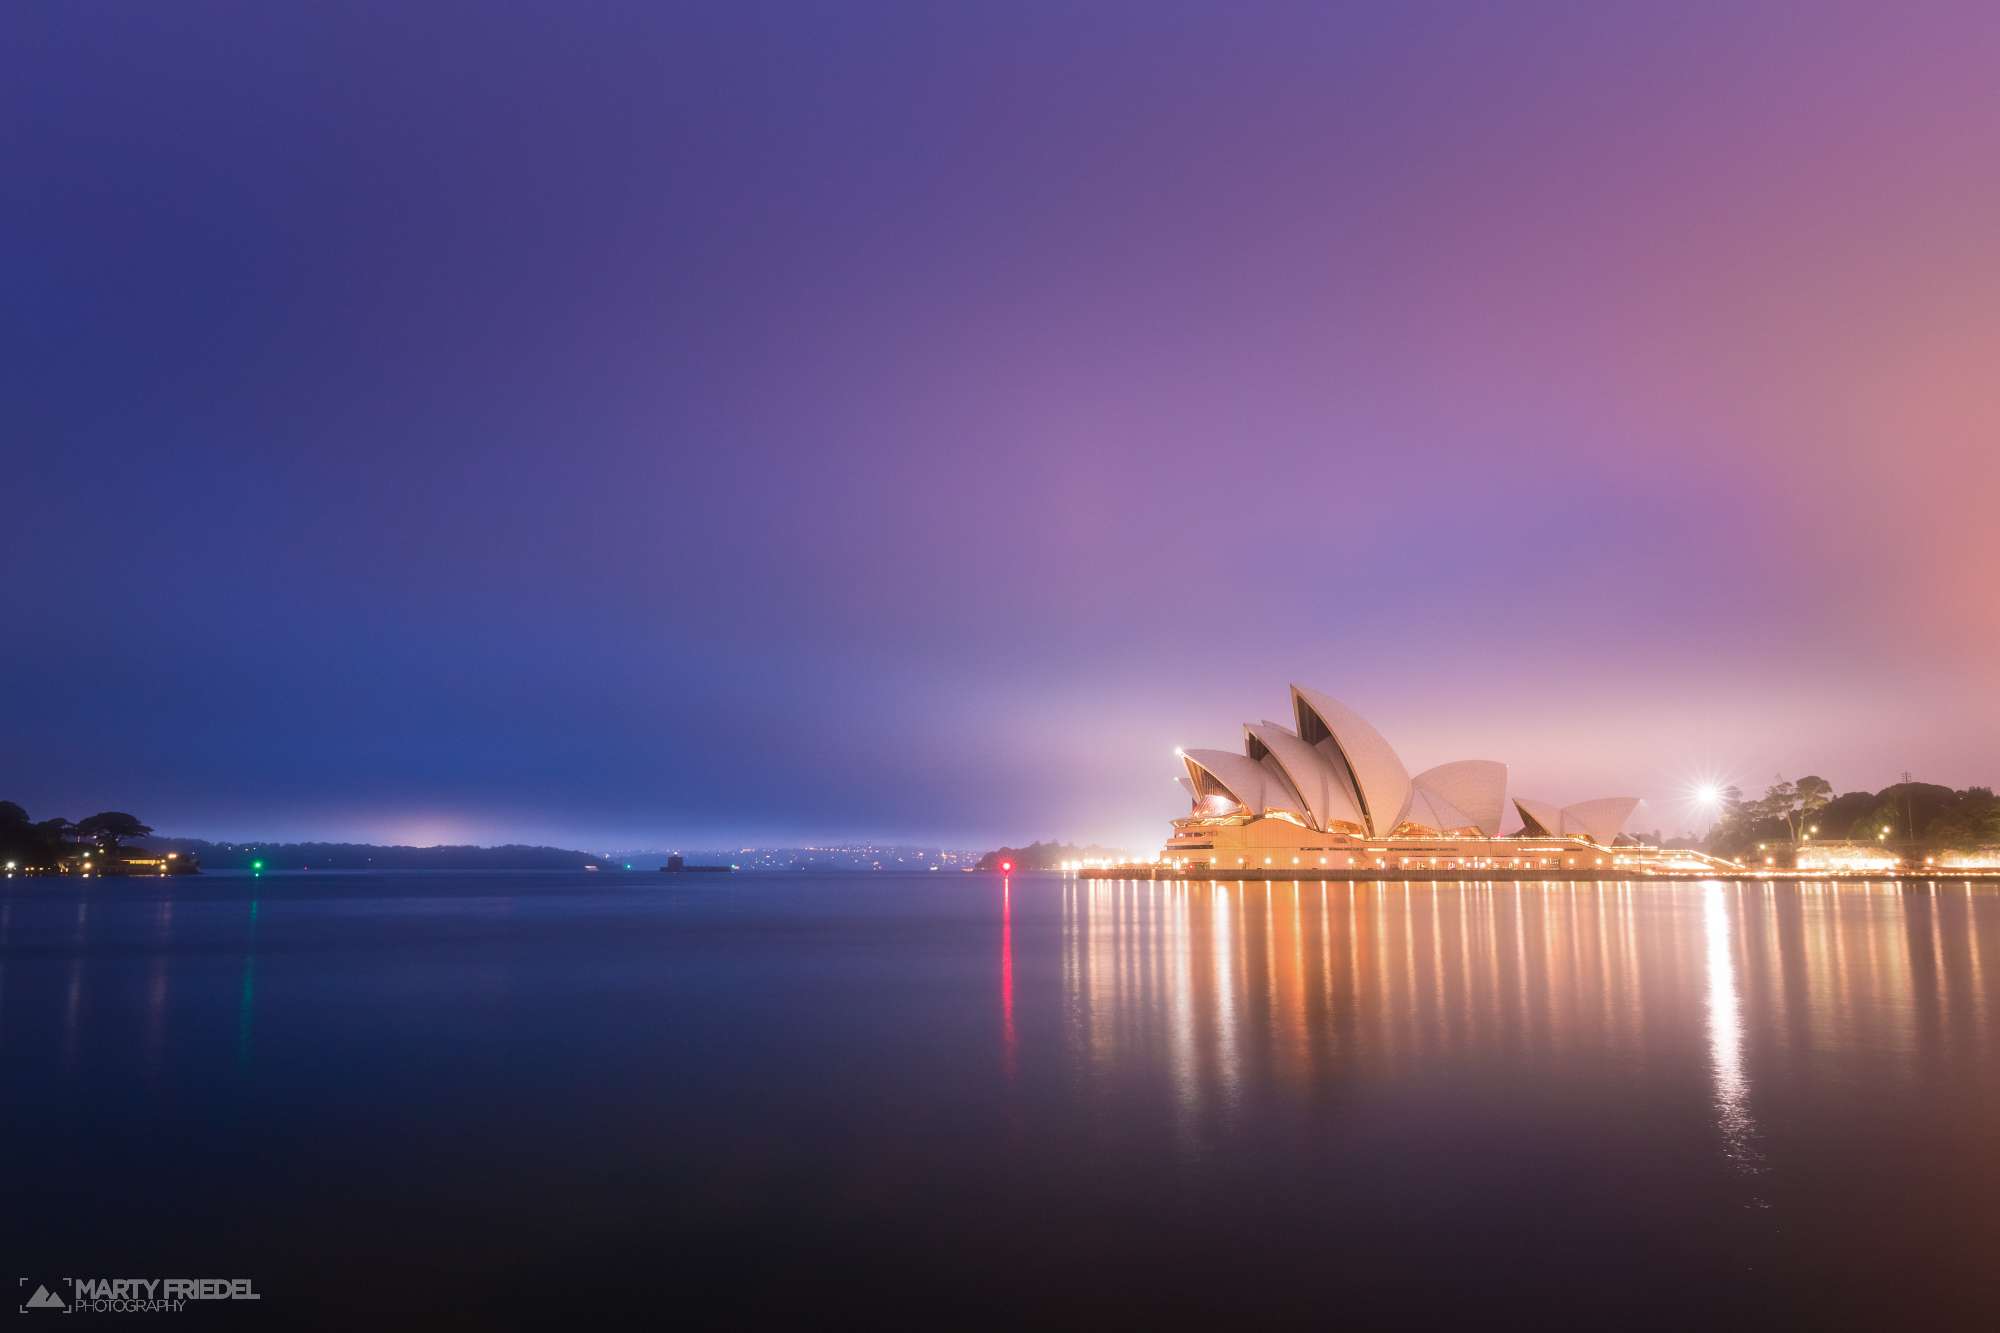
(274, 857)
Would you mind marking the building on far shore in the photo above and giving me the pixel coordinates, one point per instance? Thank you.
(1329, 793)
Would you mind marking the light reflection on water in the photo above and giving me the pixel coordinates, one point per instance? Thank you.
(1725, 1035)
(1009, 1038)
(1308, 981)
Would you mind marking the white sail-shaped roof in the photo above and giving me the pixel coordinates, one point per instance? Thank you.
(1431, 811)
(1540, 817)
(1258, 789)
(1600, 820)
(1476, 787)
(1327, 794)
(1338, 732)
(1333, 772)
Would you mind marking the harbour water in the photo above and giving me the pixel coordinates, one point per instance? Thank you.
(952, 1098)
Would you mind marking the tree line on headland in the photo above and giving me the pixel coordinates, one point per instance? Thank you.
(1914, 817)
(48, 844)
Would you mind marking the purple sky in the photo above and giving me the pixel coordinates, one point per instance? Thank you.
(647, 423)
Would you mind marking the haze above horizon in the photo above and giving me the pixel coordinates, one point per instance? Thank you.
(659, 425)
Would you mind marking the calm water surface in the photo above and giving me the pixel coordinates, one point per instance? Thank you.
(949, 1099)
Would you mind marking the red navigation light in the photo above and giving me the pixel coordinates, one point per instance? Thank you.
(1006, 867)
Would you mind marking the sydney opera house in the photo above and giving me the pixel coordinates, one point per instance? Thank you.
(1327, 792)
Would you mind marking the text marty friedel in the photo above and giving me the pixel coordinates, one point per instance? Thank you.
(135, 1295)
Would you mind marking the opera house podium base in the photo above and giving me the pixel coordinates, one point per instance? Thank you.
(1370, 874)
(1269, 849)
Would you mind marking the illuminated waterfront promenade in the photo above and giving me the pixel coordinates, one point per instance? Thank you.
(1720, 871)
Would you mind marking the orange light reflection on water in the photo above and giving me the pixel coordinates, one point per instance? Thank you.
(1289, 985)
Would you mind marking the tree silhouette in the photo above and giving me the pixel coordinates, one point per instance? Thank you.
(106, 829)
(1813, 794)
(27, 843)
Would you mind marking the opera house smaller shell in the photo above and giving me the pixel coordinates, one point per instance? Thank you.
(1600, 820)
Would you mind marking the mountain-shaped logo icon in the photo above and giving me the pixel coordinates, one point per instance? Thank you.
(44, 1299)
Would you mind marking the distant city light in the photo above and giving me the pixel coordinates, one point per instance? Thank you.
(1006, 867)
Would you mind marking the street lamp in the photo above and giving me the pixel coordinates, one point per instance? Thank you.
(1708, 800)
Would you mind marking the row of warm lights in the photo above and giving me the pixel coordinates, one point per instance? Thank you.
(13, 866)
(1810, 883)
(1856, 860)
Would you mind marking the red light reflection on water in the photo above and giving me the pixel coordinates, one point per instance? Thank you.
(1007, 976)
